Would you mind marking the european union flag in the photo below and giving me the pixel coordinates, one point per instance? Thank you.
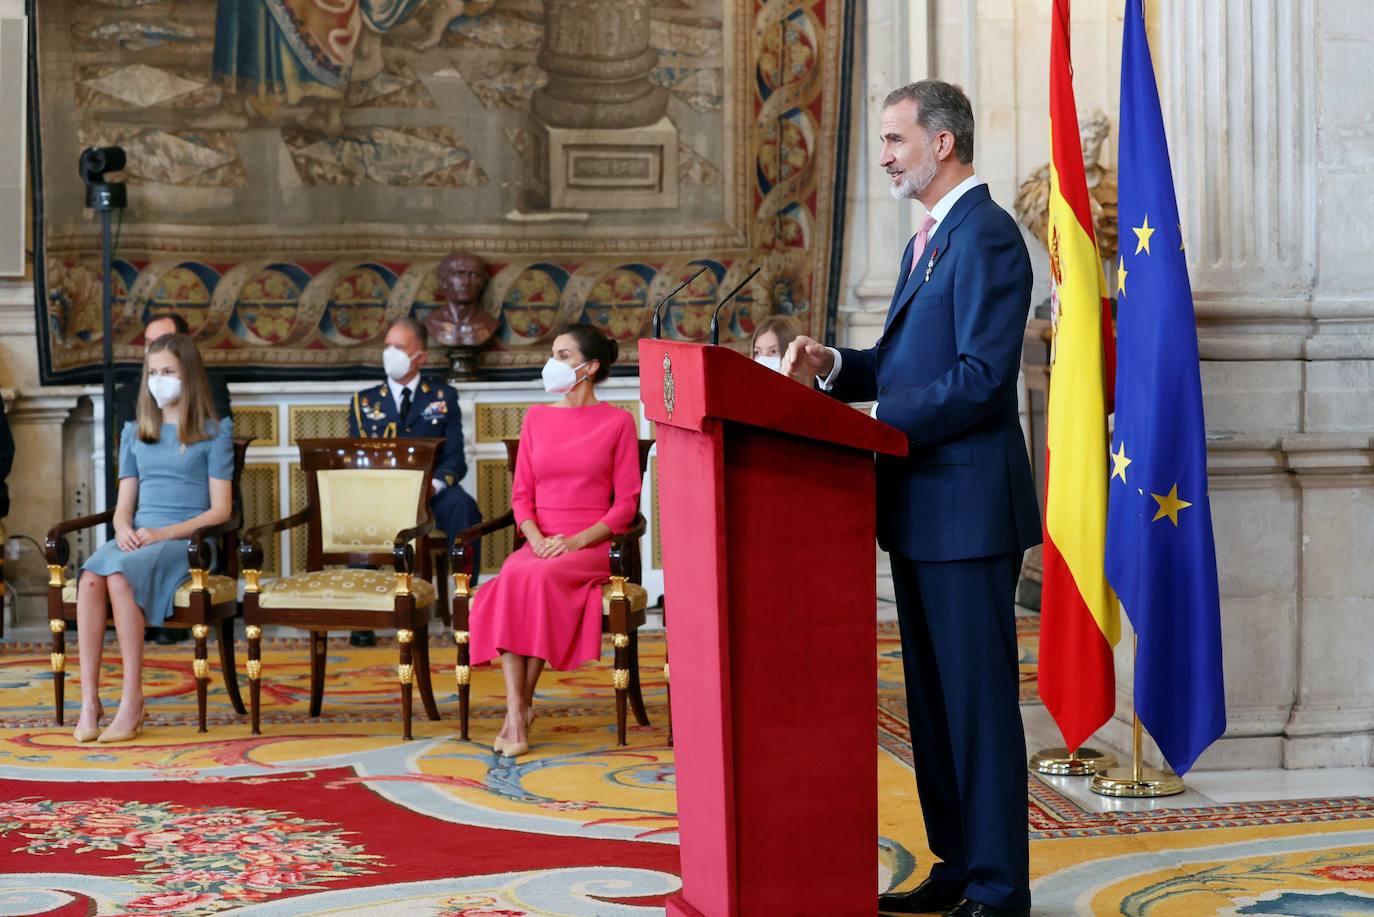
(1160, 555)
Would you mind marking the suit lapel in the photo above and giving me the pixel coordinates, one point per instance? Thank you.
(936, 247)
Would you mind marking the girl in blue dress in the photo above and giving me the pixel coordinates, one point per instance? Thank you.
(176, 467)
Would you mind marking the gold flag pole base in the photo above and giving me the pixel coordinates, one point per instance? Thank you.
(1136, 783)
(1060, 762)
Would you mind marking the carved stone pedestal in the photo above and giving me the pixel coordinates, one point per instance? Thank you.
(464, 362)
(612, 169)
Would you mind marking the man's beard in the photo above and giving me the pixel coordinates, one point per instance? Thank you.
(909, 187)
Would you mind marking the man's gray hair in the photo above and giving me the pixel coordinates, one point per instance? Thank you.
(411, 325)
(940, 107)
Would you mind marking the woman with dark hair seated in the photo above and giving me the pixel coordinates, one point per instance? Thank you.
(176, 468)
(576, 483)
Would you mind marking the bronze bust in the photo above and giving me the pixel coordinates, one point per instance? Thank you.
(461, 322)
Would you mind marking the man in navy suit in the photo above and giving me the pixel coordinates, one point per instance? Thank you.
(958, 512)
(408, 405)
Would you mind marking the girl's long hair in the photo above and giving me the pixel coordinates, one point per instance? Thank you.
(197, 407)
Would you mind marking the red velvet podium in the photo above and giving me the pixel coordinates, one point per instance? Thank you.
(766, 508)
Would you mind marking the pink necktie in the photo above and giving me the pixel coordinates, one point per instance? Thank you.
(922, 237)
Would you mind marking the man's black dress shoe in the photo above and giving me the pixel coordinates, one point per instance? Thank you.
(166, 636)
(362, 638)
(926, 898)
(969, 908)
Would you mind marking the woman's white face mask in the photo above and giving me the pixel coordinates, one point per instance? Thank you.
(166, 390)
(772, 362)
(559, 377)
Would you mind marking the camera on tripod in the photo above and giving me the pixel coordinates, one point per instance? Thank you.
(103, 195)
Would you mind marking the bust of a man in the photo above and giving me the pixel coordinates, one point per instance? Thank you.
(1033, 197)
(461, 321)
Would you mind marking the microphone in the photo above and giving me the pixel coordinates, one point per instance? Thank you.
(715, 323)
(658, 317)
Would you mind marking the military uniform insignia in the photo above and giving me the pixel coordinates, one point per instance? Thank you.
(434, 410)
(373, 412)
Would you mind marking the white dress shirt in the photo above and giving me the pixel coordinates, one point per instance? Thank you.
(397, 389)
(941, 210)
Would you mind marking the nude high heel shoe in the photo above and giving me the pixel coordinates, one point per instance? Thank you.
(110, 735)
(82, 736)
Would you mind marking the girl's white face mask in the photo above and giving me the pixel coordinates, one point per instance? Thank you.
(559, 377)
(165, 390)
(774, 362)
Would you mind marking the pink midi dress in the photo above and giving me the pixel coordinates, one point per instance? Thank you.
(576, 466)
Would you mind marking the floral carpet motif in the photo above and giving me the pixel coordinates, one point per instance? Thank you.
(338, 815)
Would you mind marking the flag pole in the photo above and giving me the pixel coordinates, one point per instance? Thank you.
(1084, 761)
(1139, 781)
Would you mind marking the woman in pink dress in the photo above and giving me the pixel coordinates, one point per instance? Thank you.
(577, 483)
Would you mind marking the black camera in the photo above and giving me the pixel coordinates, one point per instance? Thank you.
(102, 194)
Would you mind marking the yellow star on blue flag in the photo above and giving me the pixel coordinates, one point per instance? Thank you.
(1161, 558)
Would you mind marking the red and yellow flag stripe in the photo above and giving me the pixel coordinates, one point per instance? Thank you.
(1079, 624)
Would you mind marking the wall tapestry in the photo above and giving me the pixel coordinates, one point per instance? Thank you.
(297, 169)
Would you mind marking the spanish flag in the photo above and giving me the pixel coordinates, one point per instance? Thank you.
(1078, 616)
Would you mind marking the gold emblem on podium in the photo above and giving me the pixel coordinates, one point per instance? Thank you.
(669, 387)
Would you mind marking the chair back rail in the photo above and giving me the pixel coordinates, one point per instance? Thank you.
(353, 515)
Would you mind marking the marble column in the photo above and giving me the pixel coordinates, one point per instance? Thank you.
(598, 58)
(38, 497)
(1265, 106)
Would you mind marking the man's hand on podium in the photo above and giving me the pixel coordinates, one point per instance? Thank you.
(807, 358)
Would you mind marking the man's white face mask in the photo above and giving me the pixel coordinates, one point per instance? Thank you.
(396, 362)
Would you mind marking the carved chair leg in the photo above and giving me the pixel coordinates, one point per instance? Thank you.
(405, 674)
(620, 640)
(254, 632)
(319, 655)
(636, 694)
(201, 668)
(422, 674)
(229, 665)
(462, 670)
(58, 626)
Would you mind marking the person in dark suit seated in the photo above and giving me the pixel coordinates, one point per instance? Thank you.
(958, 512)
(407, 405)
(128, 382)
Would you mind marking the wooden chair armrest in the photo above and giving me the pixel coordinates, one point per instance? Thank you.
(198, 552)
(55, 547)
(403, 550)
(622, 544)
(460, 555)
(250, 551)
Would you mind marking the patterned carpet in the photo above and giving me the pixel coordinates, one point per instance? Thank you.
(340, 816)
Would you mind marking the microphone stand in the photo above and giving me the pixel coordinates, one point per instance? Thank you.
(715, 316)
(658, 317)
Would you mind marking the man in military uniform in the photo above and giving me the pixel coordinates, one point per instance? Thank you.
(407, 405)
